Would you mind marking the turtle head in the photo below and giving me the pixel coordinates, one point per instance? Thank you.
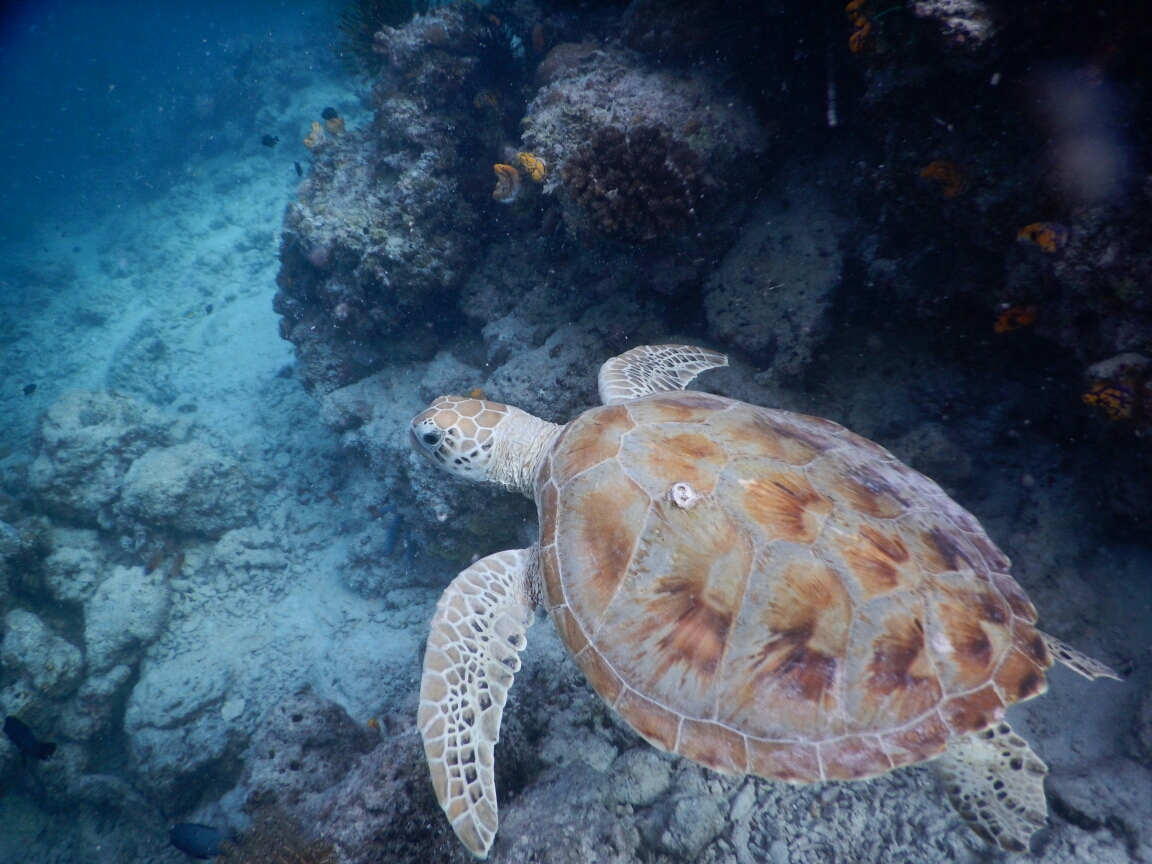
(483, 441)
(458, 434)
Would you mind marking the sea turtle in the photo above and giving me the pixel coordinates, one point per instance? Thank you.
(759, 591)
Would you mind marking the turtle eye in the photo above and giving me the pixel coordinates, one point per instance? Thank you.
(431, 438)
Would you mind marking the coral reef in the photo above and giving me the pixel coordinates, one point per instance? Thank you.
(359, 23)
(636, 186)
(620, 132)
(385, 229)
(88, 442)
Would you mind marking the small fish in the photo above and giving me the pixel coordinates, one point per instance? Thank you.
(299, 170)
(392, 535)
(477, 393)
(331, 496)
(270, 140)
(199, 841)
(26, 741)
(29, 389)
(328, 114)
(208, 309)
(153, 562)
(374, 724)
(177, 566)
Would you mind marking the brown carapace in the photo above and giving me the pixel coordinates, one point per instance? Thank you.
(820, 612)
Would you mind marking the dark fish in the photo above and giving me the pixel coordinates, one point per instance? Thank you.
(26, 741)
(299, 170)
(331, 496)
(29, 389)
(153, 562)
(199, 841)
(270, 140)
(208, 309)
(177, 566)
(329, 114)
(393, 534)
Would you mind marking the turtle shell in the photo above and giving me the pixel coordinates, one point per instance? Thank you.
(807, 607)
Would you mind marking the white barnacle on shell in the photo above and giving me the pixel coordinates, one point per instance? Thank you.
(682, 495)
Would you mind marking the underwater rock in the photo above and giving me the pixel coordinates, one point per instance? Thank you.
(640, 776)
(251, 559)
(345, 785)
(686, 825)
(929, 450)
(1140, 742)
(76, 565)
(959, 25)
(92, 709)
(771, 294)
(190, 488)
(178, 742)
(125, 614)
(87, 442)
(51, 664)
(445, 375)
(304, 746)
(555, 381)
(10, 548)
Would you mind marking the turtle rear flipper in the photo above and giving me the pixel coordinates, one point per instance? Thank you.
(996, 784)
(472, 655)
(654, 369)
(1077, 661)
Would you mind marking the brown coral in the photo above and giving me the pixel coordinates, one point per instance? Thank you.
(951, 177)
(634, 187)
(276, 838)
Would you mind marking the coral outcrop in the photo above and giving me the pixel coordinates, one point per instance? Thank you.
(385, 229)
(88, 442)
(641, 153)
(634, 186)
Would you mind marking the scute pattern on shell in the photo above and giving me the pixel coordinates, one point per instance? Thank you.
(821, 611)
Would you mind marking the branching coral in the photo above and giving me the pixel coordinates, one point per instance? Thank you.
(634, 187)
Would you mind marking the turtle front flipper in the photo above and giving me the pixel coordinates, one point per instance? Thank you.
(654, 369)
(996, 784)
(1078, 662)
(477, 631)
